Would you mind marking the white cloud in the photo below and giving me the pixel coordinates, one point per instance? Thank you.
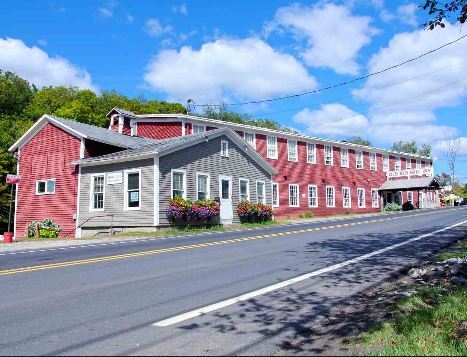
(227, 69)
(439, 149)
(105, 11)
(154, 28)
(182, 9)
(130, 18)
(42, 42)
(333, 120)
(35, 65)
(407, 14)
(333, 35)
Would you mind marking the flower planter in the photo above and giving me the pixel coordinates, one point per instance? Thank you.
(8, 237)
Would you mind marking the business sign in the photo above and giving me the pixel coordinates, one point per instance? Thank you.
(426, 171)
(13, 179)
(114, 178)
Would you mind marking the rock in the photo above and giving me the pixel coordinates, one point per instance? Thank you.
(408, 293)
(416, 273)
(437, 269)
(452, 261)
(459, 280)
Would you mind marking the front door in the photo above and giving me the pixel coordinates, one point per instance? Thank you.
(225, 193)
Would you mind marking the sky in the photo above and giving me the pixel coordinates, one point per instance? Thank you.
(241, 51)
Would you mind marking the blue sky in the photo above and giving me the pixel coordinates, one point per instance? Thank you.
(230, 52)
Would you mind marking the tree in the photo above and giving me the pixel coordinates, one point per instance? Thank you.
(441, 11)
(411, 147)
(452, 149)
(358, 140)
(444, 179)
(15, 93)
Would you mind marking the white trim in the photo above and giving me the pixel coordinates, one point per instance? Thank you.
(82, 149)
(342, 150)
(408, 163)
(200, 126)
(254, 139)
(16, 194)
(386, 163)
(358, 198)
(91, 193)
(418, 164)
(375, 162)
(133, 127)
(295, 151)
(183, 183)
(208, 184)
(308, 151)
(343, 197)
(326, 157)
(317, 196)
(222, 148)
(272, 194)
(276, 154)
(373, 205)
(298, 194)
(125, 188)
(264, 191)
(156, 190)
(397, 162)
(247, 189)
(357, 154)
(45, 180)
(121, 123)
(333, 196)
(183, 127)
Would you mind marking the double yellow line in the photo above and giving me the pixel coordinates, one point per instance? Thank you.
(194, 246)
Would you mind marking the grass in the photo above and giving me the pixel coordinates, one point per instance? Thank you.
(428, 323)
(462, 245)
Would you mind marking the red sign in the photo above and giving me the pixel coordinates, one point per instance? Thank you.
(13, 179)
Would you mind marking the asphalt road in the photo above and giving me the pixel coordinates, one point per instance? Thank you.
(104, 299)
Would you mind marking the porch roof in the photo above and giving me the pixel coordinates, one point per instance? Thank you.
(407, 184)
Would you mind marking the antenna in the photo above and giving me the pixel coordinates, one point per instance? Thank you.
(190, 106)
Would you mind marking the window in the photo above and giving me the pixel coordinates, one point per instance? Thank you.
(312, 196)
(397, 164)
(292, 150)
(359, 159)
(244, 189)
(132, 186)
(178, 184)
(330, 198)
(260, 194)
(328, 155)
(410, 196)
(293, 196)
(45, 187)
(250, 138)
(346, 199)
(361, 197)
(344, 157)
(275, 195)
(311, 153)
(198, 129)
(97, 192)
(385, 163)
(408, 164)
(373, 164)
(202, 184)
(224, 148)
(419, 164)
(374, 198)
(272, 147)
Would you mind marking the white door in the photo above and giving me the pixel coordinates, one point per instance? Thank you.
(225, 194)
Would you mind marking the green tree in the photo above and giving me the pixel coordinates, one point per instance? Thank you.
(411, 147)
(358, 140)
(15, 93)
(441, 11)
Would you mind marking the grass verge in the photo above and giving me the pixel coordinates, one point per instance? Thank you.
(432, 322)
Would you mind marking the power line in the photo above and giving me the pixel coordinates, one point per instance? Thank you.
(337, 84)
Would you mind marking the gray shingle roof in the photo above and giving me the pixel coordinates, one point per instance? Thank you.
(104, 135)
(124, 112)
(418, 182)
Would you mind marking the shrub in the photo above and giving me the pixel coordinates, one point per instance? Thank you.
(348, 211)
(182, 211)
(44, 229)
(408, 206)
(392, 207)
(254, 212)
(301, 216)
(309, 215)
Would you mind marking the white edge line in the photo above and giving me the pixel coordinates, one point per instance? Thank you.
(265, 290)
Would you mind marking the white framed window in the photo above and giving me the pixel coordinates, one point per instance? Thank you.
(374, 198)
(397, 164)
(311, 153)
(373, 162)
(224, 148)
(45, 187)
(361, 197)
(292, 150)
(328, 159)
(97, 192)
(178, 183)
(196, 129)
(133, 189)
(202, 186)
(359, 160)
(408, 163)
(260, 192)
(330, 196)
(312, 196)
(344, 157)
(271, 147)
(244, 189)
(419, 164)
(275, 194)
(293, 195)
(346, 198)
(250, 138)
(385, 163)
(410, 196)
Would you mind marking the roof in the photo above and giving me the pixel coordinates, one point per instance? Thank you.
(267, 131)
(85, 131)
(167, 146)
(418, 182)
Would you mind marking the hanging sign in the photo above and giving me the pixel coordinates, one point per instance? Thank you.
(426, 171)
(114, 178)
(13, 179)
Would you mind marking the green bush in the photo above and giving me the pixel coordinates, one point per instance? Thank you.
(392, 207)
(309, 215)
(408, 206)
(46, 229)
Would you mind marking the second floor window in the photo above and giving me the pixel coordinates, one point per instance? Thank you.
(328, 155)
(250, 139)
(45, 187)
(344, 157)
(272, 147)
(408, 164)
(292, 150)
(311, 153)
(373, 163)
(397, 164)
(385, 163)
(224, 148)
(419, 164)
(359, 160)
(198, 129)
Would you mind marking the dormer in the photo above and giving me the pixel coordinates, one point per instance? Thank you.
(121, 121)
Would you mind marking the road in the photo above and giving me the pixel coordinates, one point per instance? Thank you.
(143, 297)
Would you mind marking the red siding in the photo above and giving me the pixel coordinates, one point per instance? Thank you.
(48, 156)
(159, 130)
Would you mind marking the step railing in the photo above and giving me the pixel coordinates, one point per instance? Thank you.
(91, 218)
